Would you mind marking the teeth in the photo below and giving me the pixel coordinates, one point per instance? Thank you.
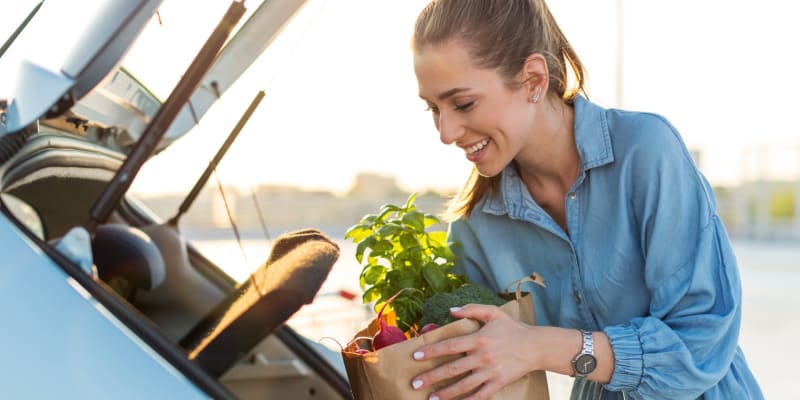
(476, 148)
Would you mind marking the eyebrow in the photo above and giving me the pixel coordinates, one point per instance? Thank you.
(452, 92)
(448, 93)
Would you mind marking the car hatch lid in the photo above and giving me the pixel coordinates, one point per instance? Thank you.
(49, 74)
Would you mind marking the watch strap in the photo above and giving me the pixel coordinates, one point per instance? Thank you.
(585, 362)
(588, 342)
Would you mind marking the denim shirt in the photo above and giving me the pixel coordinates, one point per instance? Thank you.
(646, 260)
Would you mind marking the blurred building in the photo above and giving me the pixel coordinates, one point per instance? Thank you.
(273, 209)
(766, 203)
(371, 185)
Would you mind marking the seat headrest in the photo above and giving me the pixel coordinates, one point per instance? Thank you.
(125, 253)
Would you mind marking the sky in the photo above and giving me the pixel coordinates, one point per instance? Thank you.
(341, 96)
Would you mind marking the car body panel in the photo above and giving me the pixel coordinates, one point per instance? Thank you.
(109, 31)
(70, 339)
(41, 88)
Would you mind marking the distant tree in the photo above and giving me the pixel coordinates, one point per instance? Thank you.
(782, 204)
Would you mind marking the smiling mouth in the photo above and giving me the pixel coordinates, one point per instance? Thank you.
(477, 147)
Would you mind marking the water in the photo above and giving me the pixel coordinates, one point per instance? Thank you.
(770, 276)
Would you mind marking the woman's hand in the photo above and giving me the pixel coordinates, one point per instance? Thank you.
(497, 354)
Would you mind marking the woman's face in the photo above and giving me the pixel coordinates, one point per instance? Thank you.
(472, 107)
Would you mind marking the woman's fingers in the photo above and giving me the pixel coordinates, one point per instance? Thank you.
(478, 312)
(470, 383)
(460, 344)
(486, 391)
(488, 362)
(452, 346)
(459, 367)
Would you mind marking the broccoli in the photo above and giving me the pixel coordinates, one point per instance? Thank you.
(436, 308)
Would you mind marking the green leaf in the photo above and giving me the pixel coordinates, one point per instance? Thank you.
(435, 277)
(407, 279)
(415, 219)
(431, 220)
(437, 238)
(348, 233)
(443, 252)
(408, 241)
(410, 201)
(400, 279)
(358, 232)
(381, 248)
(373, 274)
(389, 230)
(372, 294)
(363, 246)
(388, 209)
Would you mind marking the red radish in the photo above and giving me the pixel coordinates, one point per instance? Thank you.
(388, 334)
(428, 327)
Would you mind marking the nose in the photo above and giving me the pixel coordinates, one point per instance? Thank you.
(449, 128)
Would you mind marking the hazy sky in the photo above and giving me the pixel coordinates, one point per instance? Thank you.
(341, 96)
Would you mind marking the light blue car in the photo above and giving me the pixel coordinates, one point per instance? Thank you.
(100, 298)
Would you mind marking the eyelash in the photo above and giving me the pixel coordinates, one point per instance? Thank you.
(432, 108)
(464, 107)
(458, 107)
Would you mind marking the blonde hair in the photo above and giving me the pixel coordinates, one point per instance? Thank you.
(499, 34)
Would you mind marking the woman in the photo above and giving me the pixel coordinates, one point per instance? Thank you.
(643, 296)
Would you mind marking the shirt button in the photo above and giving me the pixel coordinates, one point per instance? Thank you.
(577, 297)
(572, 195)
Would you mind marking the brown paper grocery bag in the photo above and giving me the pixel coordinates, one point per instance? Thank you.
(386, 374)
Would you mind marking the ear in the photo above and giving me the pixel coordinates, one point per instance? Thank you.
(535, 76)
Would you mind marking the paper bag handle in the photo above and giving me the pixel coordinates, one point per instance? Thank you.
(534, 277)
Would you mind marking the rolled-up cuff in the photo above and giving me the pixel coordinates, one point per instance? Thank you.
(628, 363)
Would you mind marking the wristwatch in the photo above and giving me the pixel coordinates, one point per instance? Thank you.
(584, 363)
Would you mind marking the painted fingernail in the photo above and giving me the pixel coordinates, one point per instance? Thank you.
(454, 309)
(433, 397)
(418, 355)
(416, 384)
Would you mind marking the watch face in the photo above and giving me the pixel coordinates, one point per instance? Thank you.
(585, 364)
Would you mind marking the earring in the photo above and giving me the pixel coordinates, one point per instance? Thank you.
(536, 94)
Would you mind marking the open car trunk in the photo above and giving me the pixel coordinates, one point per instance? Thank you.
(70, 141)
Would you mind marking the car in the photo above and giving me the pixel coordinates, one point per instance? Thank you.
(101, 297)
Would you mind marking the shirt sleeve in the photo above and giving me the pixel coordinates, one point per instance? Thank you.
(687, 342)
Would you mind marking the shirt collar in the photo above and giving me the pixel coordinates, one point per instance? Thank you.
(594, 149)
(591, 134)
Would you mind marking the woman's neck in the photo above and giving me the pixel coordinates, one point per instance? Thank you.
(551, 160)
